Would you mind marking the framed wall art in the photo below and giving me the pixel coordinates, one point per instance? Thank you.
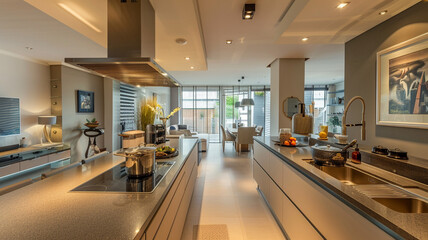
(402, 86)
(85, 101)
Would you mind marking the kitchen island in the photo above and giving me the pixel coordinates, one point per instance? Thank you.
(48, 210)
(309, 203)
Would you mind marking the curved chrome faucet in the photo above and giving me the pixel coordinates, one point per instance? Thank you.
(363, 122)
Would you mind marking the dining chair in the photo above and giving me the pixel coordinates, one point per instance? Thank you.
(227, 137)
(259, 131)
(245, 136)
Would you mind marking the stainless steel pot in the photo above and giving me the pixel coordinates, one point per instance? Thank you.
(141, 162)
(326, 155)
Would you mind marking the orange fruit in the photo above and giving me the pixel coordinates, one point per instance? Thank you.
(287, 143)
(293, 143)
(293, 139)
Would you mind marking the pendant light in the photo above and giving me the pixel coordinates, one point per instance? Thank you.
(247, 101)
(238, 103)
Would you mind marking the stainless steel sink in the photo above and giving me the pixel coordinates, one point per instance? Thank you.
(348, 175)
(404, 205)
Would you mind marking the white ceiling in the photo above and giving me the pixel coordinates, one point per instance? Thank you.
(273, 33)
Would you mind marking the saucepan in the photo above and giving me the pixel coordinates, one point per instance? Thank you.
(141, 162)
(326, 155)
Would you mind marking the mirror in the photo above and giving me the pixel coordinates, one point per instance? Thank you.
(290, 106)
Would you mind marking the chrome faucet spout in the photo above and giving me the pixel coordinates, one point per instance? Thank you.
(363, 122)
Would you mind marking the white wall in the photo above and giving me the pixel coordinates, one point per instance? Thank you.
(111, 114)
(72, 121)
(29, 81)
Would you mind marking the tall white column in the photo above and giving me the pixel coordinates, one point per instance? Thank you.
(287, 79)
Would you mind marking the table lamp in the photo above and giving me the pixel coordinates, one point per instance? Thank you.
(46, 120)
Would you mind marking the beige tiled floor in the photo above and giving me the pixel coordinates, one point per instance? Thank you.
(225, 193)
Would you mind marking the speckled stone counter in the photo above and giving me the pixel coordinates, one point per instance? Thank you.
(48, 210)
(401, 225)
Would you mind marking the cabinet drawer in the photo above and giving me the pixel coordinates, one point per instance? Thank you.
(276, 196)
(308, 197)
(59, 156)
(295, 224)
(261, 154)
(9, 169)
(275, 169)
(33, 163)
(262, 179)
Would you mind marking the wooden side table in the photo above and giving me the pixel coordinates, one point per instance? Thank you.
(92, 134)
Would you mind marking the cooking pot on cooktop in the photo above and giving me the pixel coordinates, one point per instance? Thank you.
(141, 162)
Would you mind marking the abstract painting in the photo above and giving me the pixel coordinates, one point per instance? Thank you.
(402, 84)
(85, 101)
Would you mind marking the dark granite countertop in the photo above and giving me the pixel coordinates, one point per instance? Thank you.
(405, 225)
(48, 210)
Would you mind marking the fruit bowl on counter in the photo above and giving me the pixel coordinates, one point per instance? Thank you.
(166, 152)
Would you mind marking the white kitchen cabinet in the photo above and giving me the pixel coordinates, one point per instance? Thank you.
(295, 224)
(324, 210)
(9, 169)
(59, 156)
(33, 163)
(169, 220)
(304, 209)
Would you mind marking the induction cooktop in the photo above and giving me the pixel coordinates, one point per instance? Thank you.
(117, 180)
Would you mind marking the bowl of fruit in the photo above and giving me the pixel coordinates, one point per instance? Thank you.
(291, 142)
(92, 124)
(166, 152)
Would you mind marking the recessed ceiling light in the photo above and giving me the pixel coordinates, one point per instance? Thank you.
(228, 41)
(305, 39)
(383, 12)
(165, 74)
(192, 67)
(29, 48)
(138, 86)
(248, 11)
(181, 41)
(77, 15)
(342, 5)
(187, 58)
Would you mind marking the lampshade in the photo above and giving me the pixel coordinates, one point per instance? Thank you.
(247, 102)
(47, 120)
(237, 104)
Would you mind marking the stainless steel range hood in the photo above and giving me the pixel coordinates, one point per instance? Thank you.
(131, 46)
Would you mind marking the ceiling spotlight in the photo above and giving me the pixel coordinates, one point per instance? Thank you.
(228, 41)
(29, 48)
(181, 41)
(248, 11)
(192, 67)
(138, 86)
(383, 12)
(305, 39)
(187, 58)
(165, 74)
(342, 5)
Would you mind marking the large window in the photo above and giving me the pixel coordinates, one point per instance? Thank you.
(205, 108)
(201, 111)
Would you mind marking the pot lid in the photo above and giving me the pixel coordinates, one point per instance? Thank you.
(327, 148)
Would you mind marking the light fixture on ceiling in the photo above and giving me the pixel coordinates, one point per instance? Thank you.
(29, 48)
(228, 41)
(248, 11)
(138, 86)
(165, 74)
(342, 5)
(192, 67)
(383, 12)
(76, 15)
(305, 39)
(181, 41)
(238, 103)
(187, 58)
(247, 101)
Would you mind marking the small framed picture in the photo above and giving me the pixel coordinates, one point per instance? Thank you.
(85, 101)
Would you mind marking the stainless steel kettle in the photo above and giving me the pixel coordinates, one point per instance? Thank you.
(141, 162)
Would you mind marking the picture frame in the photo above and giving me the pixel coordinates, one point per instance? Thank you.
(402, 84)
(85, 101)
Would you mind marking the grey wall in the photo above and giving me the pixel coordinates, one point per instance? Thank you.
(360, 79)
(72, 121)
(30, 82)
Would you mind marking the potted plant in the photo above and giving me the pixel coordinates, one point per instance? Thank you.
(334, 122)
